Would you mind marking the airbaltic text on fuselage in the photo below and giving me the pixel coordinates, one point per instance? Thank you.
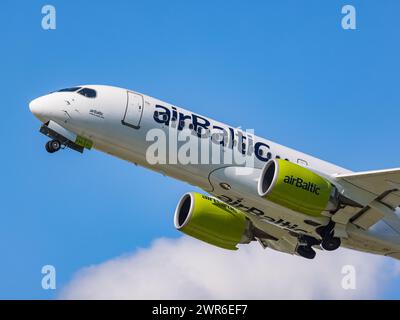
(203, 128)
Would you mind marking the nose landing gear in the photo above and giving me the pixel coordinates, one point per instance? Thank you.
(53, 146)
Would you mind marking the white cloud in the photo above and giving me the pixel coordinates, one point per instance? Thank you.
(185, 268)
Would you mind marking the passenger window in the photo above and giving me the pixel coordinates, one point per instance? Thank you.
(87, 92)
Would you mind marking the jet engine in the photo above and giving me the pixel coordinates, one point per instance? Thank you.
(297, 188)
(212, 221)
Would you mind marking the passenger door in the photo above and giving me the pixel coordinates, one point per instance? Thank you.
(134, 110)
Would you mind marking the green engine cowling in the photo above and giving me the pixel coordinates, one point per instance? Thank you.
(211, 221)
(297, 188)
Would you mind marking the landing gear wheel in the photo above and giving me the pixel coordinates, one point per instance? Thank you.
(48, 148)
(306, 252)
(53, 146)
(331, 243)
(309, 241)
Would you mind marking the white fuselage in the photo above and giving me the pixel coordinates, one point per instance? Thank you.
(124, 123)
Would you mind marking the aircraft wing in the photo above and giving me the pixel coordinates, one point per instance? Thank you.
(382, 188)
(385, 184)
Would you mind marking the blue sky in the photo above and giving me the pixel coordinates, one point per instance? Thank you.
(285, 68)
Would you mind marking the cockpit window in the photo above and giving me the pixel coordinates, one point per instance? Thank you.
(73, 89)
(87, 92)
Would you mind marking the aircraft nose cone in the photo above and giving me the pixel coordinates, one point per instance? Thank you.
(41, 108)
(34, 107)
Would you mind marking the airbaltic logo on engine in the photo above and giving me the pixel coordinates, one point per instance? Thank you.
(300, 183)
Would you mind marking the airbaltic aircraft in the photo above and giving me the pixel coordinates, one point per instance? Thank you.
(282, 198)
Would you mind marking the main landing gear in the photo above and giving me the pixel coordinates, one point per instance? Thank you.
(53, 146)
(329, 242)
(305, 249)
(306, 252)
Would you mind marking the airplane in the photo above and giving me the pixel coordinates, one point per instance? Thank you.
(255, 189)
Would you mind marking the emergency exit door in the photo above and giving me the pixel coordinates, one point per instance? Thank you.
(134, 110)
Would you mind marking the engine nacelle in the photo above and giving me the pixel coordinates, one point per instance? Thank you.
(211, 221)
(297, 188)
